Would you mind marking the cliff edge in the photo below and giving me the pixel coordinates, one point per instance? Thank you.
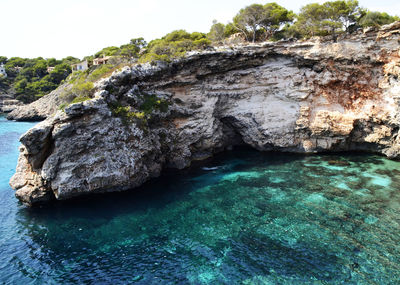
(39, 109)
(307, 96)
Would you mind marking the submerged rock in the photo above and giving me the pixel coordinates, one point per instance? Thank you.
(339, 162)
(304, 96)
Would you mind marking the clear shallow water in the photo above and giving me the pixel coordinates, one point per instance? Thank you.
(242, 218)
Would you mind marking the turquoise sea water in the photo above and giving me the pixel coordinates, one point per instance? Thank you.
(242, 218)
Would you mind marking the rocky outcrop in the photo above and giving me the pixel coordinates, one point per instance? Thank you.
(9, 105)
(39, 109)
(7, 102)
(304, 96)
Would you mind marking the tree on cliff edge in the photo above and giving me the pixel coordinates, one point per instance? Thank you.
(217, 32)
(328, 18)
(266, 19)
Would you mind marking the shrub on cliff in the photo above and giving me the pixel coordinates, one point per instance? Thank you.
(108, 51)
(100, 72)
(127, 114)
(80, 84)
(83, 89)
(376, 19)
(130, 50)
(219, 32)
(174, 45)
(79, 87)
(80, 99)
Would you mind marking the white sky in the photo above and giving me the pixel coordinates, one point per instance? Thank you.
(54, 28)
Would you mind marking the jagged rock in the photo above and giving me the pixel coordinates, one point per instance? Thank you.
(39, 109)
(30, 184)
(304, 96)
(8, 104)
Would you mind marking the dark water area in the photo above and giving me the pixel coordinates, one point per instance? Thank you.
(243, 217)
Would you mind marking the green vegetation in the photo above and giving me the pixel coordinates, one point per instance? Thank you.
(151, 102)
(329, 18)
(217, 32)
(130, 50)
(126, 114)
(272, 21)
(174, 45)
(80, 99)
(82, 88)
(376, 19)
(82, 84)
(32, 78)
(100, 72)
(148, 103)
(261, 21)
(62, 106)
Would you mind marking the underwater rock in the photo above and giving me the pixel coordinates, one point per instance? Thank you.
(338, 162)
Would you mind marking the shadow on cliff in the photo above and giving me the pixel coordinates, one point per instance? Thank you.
(171, 186)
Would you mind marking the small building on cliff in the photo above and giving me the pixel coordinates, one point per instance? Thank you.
(81, 66)
(3, 70)
(101, 60)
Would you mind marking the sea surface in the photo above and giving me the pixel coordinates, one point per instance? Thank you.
(242, 218)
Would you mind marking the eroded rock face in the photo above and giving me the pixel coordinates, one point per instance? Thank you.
(39, 109)
(291, 96)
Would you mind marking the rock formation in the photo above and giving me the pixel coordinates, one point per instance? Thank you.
(39, 109)
(8, 103)
(305, 96)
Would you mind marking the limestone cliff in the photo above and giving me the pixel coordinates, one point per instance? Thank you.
(39, 109)
(304, 96)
